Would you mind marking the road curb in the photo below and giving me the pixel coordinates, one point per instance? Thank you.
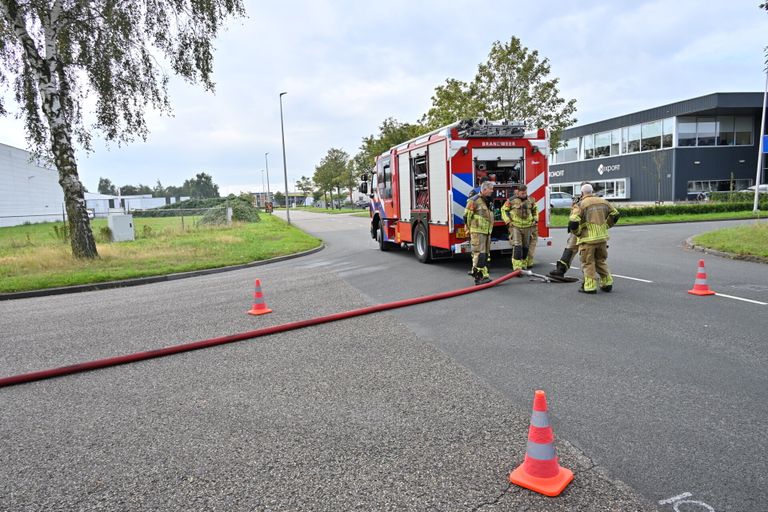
(688, 243)
(151, 279)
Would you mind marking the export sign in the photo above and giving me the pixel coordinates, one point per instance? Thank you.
(603, 169)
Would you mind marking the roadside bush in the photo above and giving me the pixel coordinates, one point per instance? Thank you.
(241, 212)
(677, 209)
(737, 197)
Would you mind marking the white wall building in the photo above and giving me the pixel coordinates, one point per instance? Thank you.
(29, 192)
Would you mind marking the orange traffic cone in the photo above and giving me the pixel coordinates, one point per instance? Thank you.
(259, 306)
(540, 472)
(700, 287)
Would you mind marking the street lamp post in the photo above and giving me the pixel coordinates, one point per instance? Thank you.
(285, 168)
(262, 186)
(266, 159)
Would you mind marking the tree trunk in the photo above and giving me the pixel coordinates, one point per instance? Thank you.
(80, 232)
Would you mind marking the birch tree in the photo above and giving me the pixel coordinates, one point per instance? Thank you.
(55, 54)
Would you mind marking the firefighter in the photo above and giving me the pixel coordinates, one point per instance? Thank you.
(480, 223)
(564, 263)
(590, 219)
(521, 215)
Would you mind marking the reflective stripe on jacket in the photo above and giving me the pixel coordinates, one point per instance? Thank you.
(593, 214)
(520, 213)
(479, 215)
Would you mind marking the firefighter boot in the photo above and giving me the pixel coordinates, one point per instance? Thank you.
(606, 283)
(588, 286)
(482, 276)
(563, 264)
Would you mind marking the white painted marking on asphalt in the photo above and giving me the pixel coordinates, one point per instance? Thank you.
(632, 278)
(676, 498)
(741, 298)
(624, 277)
(679, 500)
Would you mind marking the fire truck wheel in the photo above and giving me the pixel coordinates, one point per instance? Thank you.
(421, 244)
(384, 246)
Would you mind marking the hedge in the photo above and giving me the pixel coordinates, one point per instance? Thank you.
(673, 209)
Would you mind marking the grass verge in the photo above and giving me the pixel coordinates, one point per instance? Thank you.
(35, 256)
(750, 240)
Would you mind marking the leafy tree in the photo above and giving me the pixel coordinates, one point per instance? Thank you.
(329, 174)
(512, 84)
(452, 102)
(391, 133)
(57, 53)
(133, 190)
(172, 191)
(349, 178)
(106, 187)
(201, 186)
(279, 198)
(159, 190)
(306, 186)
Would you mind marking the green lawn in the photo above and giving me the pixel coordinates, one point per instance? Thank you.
(33, 256)
(743, 240)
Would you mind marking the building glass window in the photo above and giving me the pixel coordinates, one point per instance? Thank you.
(589, 146)
(686, 131)
(624, 140)
(609, 189)
(603, 144)
(668, 132)
(615, 142)
(706, 131)
(633, 142)
(651, 135)
(569, 153)
(743, 131)
(725, 131)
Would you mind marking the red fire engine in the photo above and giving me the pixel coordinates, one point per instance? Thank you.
(419, 188)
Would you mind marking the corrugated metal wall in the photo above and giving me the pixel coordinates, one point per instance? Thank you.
(28, 192)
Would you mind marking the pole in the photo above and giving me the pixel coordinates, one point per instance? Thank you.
(285, 168)
(262, 187)
(760, 150)
(266, 159)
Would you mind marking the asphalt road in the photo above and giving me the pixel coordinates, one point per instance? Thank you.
(665, 390)
(424, 408)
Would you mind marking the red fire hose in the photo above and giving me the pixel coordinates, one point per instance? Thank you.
(195, 345)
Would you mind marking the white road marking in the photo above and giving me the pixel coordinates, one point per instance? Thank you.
(624, 277)
(632, 278)
(676, 498)
(679, 500)
(741, 298)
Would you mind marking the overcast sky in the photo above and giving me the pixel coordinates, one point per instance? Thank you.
(348, 65)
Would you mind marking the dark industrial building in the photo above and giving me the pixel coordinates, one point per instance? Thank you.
(668, 153)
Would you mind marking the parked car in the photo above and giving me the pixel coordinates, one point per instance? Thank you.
(763, 188)
(560, 200)
(362, 203)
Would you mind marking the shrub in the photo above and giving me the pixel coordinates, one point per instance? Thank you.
(676, 209)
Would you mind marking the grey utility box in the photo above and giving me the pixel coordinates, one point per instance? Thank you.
(121, 227)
